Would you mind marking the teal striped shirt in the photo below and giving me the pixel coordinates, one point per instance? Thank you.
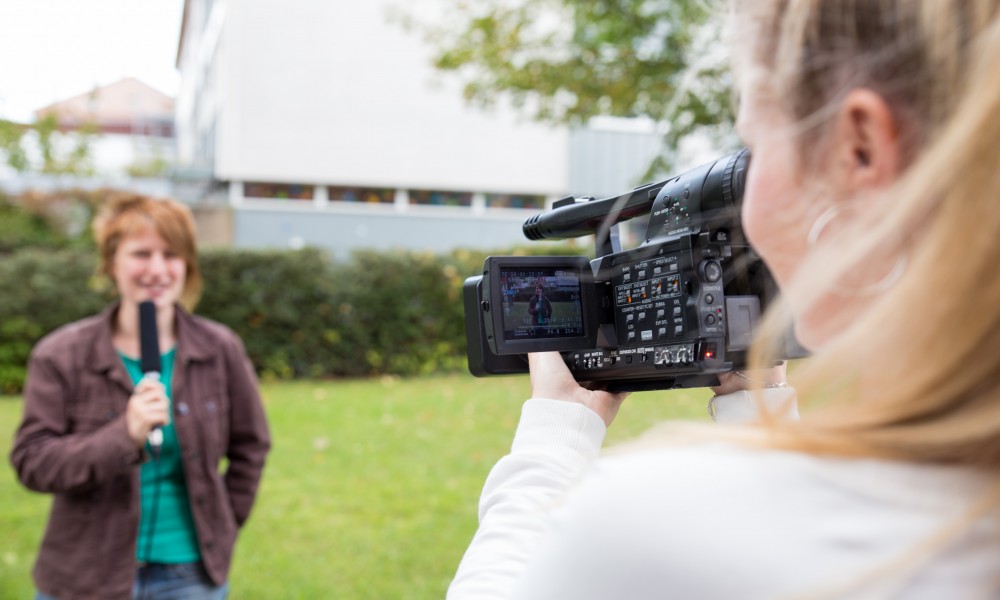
(175, 539)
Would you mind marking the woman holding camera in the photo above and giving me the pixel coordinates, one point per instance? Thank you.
(129, 519)
(873, 126)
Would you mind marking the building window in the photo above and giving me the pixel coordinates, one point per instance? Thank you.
(280, 191)
(515, 201)
(440, 198)
(361, 194)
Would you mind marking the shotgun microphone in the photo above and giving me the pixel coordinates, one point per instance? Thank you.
(149, 358)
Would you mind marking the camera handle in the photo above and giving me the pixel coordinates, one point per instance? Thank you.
(573, 217)
(607, 237)
(609, 243)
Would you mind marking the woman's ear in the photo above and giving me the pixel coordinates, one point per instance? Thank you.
(866, 142)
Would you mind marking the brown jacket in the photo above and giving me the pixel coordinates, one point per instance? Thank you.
(73, 443)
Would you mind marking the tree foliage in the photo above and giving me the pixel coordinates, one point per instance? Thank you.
(10, 145)
(59, 159)
(566, 61)
(48, 220)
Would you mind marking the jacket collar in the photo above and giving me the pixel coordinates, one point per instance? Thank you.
(192, 343)
(102, 357)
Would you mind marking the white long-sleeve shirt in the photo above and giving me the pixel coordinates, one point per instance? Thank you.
(714, 520)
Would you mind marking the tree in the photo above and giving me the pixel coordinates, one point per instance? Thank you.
(11, 134)
(566, 61)
(48, 220)
(77, 160)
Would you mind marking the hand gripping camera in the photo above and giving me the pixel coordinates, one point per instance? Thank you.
(671, 313)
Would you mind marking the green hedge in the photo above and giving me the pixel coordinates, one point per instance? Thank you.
(299, 314)
(56, 220)
(42, 289)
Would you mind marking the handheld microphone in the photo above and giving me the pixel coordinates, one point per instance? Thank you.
(149, 358)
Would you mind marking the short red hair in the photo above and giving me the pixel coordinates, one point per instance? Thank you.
(126, 214)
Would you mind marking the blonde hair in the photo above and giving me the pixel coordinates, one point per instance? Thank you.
(917, 375)
(125, 214)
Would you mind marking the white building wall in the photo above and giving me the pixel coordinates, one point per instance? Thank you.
(339, 231)
(199, 98)
(611, 156)
(330, 92)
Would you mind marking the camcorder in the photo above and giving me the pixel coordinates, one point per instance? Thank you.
(674, 312)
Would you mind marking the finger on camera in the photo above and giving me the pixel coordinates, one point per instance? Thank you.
(595, 386)
(546, 362)
(548, 368)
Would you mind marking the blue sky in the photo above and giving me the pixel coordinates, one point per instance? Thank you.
(54, 49)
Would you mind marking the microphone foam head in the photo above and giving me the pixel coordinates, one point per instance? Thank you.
(149, 339)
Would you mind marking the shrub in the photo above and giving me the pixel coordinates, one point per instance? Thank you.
(58, 219)
(299, 313)
(280, 302)
(41, 291)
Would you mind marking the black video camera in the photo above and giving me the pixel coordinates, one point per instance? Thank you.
(671, 313)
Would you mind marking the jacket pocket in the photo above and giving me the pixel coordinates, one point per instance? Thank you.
(216, 425)
(87, 416)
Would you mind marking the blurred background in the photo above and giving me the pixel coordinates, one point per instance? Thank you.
(349, 164)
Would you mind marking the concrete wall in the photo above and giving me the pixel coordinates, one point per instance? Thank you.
(214, 225)
(610, 157)
(333, 93)
(341, 231)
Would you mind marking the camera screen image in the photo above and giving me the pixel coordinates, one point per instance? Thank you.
(541, 303)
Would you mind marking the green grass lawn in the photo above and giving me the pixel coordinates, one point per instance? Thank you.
(370, 490)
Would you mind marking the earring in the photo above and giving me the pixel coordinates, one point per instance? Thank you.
(880, 286)
(824, 219)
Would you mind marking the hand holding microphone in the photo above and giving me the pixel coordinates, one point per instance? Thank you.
(147, 411)
(148, 408)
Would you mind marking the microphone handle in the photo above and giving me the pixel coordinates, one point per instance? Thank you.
(155, 435)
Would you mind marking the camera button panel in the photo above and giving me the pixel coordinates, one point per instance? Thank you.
(670, 313)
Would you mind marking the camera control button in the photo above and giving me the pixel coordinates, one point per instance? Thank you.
(662, 332)
(678, 329)
(626, 277)
(709, 298)
(711, 271)
(642, 316)
(629, 317)
(661, 313)
(682, 356)
(642, 274)
(631, 336)
(710, 319)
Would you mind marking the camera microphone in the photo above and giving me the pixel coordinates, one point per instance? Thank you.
(570, 218)
(149, 358)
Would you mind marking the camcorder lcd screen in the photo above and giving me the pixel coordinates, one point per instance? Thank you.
(540, 303)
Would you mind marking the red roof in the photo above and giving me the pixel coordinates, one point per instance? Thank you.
(121, 103)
